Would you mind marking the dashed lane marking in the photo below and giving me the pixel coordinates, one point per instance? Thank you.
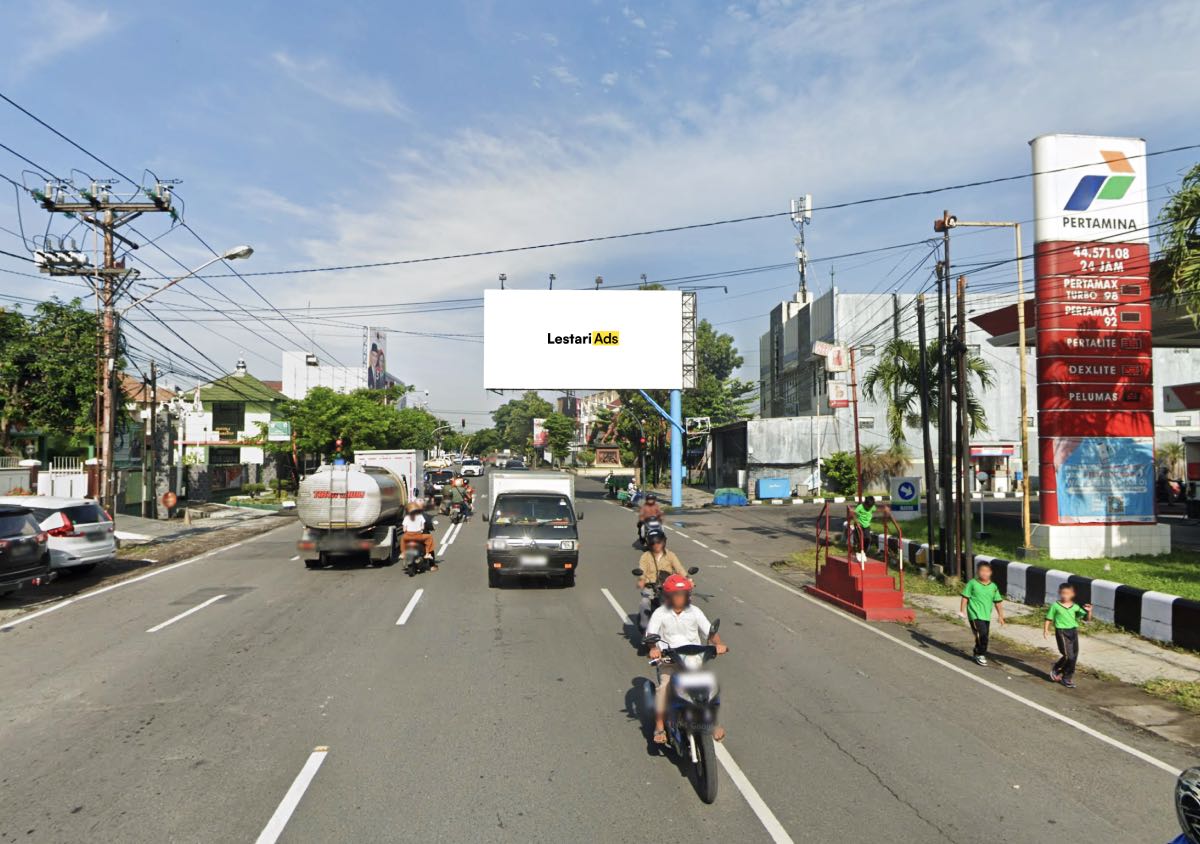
(291, 800)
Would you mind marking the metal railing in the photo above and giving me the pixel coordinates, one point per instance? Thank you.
(899, 545)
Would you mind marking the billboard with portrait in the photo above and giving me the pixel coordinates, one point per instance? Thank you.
(376, 359)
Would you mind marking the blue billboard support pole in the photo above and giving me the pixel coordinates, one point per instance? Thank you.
(677, 449)
(675, 417)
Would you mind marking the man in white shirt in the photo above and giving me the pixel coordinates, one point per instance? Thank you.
(414, 528)
(677, 622)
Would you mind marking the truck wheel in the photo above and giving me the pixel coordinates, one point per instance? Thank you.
(312, 564)
(568, 580)
(493, 579)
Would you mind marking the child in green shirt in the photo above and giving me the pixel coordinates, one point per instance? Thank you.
(1064, 615)
(979, 596)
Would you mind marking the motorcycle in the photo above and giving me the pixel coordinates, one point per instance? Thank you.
(692, 704)
(656, 595)
(414, 557)
(456, 512)
(1169, 491)
(649, 526)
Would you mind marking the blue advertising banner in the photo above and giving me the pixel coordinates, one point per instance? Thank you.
(1104, 480)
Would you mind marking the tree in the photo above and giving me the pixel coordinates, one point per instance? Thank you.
(484, 441)
(1170, 456)
(514, 419)
(363, 419)
(1179, 242)
(896, 380)
(48, 370)
(560, 433)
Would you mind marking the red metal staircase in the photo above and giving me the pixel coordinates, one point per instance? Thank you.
(865, 588)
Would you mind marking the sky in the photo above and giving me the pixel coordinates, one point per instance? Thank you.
(332, 134)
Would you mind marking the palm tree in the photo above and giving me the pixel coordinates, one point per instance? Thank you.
(1179, 239)
(1170, 456)
(896, 379)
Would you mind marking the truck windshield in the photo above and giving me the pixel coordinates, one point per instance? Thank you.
(533, 510)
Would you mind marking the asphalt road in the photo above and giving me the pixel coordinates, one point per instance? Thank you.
(514, 714)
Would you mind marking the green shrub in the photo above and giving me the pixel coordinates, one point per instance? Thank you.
(254, 489)
(841, 472)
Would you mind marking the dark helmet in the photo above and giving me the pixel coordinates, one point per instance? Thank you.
(656, 534)
(1187, 803)
(651, 498)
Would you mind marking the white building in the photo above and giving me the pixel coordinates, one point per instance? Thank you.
(304, 370)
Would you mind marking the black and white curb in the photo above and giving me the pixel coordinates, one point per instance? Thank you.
(975, 496)
(1155, 615)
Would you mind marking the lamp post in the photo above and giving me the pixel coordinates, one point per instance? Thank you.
(1027, 547)
(109, 417)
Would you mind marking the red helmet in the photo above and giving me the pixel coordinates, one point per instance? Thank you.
(677, 583)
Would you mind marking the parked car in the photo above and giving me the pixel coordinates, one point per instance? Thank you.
(515, 464)
(81, 534)
(472, 467)
(24, 550)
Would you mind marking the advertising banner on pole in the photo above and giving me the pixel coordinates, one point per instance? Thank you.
(839, 394)
(557, 339)
(540, 435)
(377, 359)
(1095, 393)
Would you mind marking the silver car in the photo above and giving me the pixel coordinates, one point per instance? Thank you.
(472, 467)
(81, 533)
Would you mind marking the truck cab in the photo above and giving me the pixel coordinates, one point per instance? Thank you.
(533, 528)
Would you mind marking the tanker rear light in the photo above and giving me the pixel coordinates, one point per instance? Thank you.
(495, 565)
(306, 545)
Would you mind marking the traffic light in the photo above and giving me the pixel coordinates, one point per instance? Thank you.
(464, 423)
(642, 442)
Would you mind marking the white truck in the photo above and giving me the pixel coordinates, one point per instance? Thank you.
(1191, 482)
(350, 510)
(404, 463)
(533, 526)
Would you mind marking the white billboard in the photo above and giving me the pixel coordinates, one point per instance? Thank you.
(1089, 187)
(565, 339)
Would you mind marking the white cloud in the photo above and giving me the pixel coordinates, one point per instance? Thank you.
(59, 26)
(662, 52)
(359, 92)
(264, 199)
(610, 79)
(550, 38)
(634, 18)
(563, 74)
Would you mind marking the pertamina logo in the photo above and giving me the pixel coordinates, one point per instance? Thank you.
(592, 338)
(1112, 186)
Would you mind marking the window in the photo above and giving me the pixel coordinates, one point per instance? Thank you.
(866, 423)
(866, 351)
(1183, 421)
(1028, 421)
(973, 349)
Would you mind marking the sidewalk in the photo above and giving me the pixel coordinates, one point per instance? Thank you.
(693, 498)
(207, 518)
(1124, 656)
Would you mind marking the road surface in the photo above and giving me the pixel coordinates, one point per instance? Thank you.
(240, 696)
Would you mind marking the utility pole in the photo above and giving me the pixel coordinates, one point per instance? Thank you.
(96, 207)
(945, 429)
(930, 493)
(965, 534)
(149, 508)
(1028, 549)
(857, 449)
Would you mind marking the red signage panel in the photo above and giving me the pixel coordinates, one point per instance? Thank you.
(1096, 370)
(1105, 397)
(1085, 343)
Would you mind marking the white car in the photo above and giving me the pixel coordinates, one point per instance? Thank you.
(472, 467)
(81, 533)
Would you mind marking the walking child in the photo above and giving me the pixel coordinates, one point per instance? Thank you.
(1064, 615)
(979, 596)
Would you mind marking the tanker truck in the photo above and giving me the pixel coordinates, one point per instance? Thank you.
(350, 510)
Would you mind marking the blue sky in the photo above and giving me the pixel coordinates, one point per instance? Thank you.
(344, 133)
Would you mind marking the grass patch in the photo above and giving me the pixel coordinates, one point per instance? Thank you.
(1177, 573)
(1185, 693)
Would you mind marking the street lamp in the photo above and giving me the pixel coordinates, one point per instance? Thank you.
(230, 255)
(1026, 549)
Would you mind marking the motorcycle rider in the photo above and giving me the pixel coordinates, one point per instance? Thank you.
(416, 529)
(457, 496)
(656, 564)
(468, 497)
(677, 622)
(648, 511)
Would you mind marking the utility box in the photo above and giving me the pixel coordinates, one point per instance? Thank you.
(773, 488)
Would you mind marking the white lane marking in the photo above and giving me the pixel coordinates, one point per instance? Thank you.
(765, 815)
(701, 544)
(770, 823)
(613, 601)
(449, 538)
(293, 559)
(291, 800)
(185, 614)
(719, 553)
(412, 603)
(1037, 707)
(8, 625)
(681, 533)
